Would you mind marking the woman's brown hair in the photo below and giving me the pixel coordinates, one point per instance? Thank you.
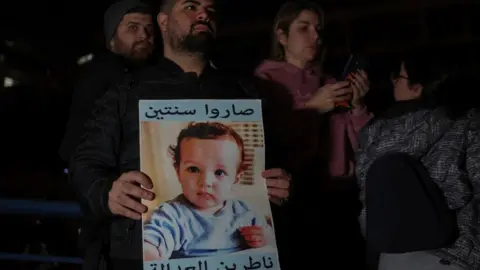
(284, 19)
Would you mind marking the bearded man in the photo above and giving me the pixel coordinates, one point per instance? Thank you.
(128, 29)
(105, 171)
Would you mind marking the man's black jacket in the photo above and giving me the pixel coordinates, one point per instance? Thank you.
(103, 72)
(111, 144)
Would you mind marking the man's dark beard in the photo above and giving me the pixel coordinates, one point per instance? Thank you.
(143, 53)
(131, 51)
(194, 43)
(199, 43)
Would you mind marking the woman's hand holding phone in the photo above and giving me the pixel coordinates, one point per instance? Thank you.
(327, 96)
(360, 86)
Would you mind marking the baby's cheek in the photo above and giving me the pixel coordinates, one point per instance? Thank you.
(224, 190)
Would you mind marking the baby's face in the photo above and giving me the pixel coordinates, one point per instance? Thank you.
(208, 169)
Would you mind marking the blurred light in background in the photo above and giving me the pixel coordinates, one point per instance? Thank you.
(85, 59)
(8, 82)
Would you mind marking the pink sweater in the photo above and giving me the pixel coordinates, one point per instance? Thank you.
(302, 83)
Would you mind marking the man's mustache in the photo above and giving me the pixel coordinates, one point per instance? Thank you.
(208, 25)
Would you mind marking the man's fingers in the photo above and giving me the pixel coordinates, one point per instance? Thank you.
(121, 210)
(137, 192)
(130, 203)
(137, 177)
(278, 183)
(123, 198)
(278, 193)
(273, 173)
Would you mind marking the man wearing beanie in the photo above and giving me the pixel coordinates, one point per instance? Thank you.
(128, 29)
(105, 169)
(129, 36)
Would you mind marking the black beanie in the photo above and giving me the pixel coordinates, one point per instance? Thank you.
(114, 15)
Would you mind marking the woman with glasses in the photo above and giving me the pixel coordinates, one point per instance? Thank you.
(418, 168)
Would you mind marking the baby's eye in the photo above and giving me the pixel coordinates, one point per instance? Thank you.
(193, 169)
(220, 173)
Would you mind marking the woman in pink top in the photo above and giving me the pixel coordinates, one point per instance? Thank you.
(324, 163)
(296, 53)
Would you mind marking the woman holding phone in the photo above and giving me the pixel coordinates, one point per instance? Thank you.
(323, 134)
(295, 65)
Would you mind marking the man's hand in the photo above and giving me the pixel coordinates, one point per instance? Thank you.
(123, 198)
(254, 236)
(278, 185)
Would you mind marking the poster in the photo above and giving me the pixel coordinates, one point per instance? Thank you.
(211, 210)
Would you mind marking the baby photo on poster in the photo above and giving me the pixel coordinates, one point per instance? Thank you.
(211, 209)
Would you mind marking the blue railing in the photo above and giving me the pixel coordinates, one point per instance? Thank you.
(38, 258)
(44, 209)
(40, 208)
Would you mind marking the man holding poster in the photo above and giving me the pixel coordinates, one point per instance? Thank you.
(106, 171)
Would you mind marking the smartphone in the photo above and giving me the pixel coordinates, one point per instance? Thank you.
(354, 63)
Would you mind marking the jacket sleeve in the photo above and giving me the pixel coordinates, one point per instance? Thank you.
(93, 167)
(363, 160)
(469, 231)
(473, 158)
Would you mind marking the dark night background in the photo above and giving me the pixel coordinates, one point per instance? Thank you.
(41, 42)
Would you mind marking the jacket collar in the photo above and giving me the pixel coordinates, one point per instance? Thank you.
(175, 70)
(121, 61)
(400, 108)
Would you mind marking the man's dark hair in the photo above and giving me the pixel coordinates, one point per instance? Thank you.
(142, 10)
(167, 5)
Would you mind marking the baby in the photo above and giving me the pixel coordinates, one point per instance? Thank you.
(205, 220)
